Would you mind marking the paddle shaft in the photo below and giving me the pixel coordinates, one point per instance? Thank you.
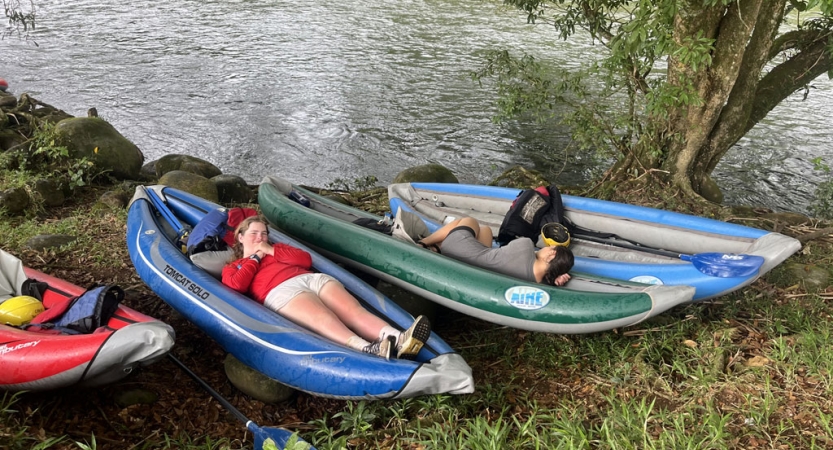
(163, 209)
(236, 412)
(631, 246)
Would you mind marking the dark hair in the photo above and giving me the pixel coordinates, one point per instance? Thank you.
(242, 227)
(560, 264)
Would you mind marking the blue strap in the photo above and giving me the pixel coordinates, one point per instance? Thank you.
(166, 213)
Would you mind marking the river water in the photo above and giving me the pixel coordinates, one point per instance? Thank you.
(320, 91)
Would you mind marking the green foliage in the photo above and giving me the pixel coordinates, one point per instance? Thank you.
(822, 206)
(48, 150)
(614, 104)
(293, 443)
(633, 103)
(13, 432)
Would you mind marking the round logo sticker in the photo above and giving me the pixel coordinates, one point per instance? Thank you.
(647, 279)
(527, 297)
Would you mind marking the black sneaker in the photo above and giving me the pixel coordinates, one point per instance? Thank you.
(382, 347)
(412, 339)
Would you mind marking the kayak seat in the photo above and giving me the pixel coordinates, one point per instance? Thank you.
(213, 261)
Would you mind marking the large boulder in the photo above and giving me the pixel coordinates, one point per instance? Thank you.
(191, 183)
(185, 163)
(233, 189)
(95, 139)
(427, 173)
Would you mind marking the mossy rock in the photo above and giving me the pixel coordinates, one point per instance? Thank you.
(711, 191)
(95, 139)
(428, 173)
(14, 201)
(191, 183)
(185, 163)
(255, 384)
(232, 189)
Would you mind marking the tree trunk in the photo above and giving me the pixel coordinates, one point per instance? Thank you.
(735, 91)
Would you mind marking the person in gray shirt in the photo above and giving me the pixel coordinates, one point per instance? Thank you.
(467, 241)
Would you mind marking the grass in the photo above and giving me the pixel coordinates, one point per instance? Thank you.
(749, 370)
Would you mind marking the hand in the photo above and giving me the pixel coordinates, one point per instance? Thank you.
(264, 248)
(562, 279)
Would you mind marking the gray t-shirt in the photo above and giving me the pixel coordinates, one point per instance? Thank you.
(514, 259)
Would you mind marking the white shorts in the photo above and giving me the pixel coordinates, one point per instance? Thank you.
(281, 294)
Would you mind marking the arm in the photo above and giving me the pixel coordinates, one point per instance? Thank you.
(239, 274)
(292, 255)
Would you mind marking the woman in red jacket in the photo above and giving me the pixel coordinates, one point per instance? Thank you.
(279, 276)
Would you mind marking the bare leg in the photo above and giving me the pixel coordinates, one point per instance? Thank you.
(483, 234)
(351, 312)
(310, 312)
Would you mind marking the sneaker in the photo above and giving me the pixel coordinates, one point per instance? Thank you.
(398, 230)
(408, 227)
(412, 339)
(382, 347)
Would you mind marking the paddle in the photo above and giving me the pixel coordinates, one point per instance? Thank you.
(182, 231)
(721, 265)
(279, 436)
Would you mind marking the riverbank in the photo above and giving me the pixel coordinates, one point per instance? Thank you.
(749, 370)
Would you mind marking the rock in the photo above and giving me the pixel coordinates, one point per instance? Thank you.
(191, 183)
(135, 397)
(14, 201)
(428, 173)
(186, 163)
(811, 276)
(45, 241)
(148, 172)
(521, 178)
(711, 191)
(232, 189)
(255, 384)
(95, 139)
(8, 100)
(9, 138)
(50, 192)
(114, 199)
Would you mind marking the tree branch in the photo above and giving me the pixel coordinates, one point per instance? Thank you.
(787, 78)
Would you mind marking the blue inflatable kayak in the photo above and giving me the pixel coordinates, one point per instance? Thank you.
(264, 340)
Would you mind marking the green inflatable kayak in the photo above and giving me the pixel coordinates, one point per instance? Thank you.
(586, 304)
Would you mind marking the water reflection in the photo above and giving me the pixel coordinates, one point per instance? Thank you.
(333, 90)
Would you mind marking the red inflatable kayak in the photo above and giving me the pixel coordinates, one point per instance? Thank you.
(36, 361)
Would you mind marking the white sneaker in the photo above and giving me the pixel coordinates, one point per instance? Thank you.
(383, 348)
(398, 230)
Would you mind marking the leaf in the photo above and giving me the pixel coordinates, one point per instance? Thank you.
(269, 444)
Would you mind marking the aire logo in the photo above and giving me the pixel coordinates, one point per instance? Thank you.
(527, 297)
